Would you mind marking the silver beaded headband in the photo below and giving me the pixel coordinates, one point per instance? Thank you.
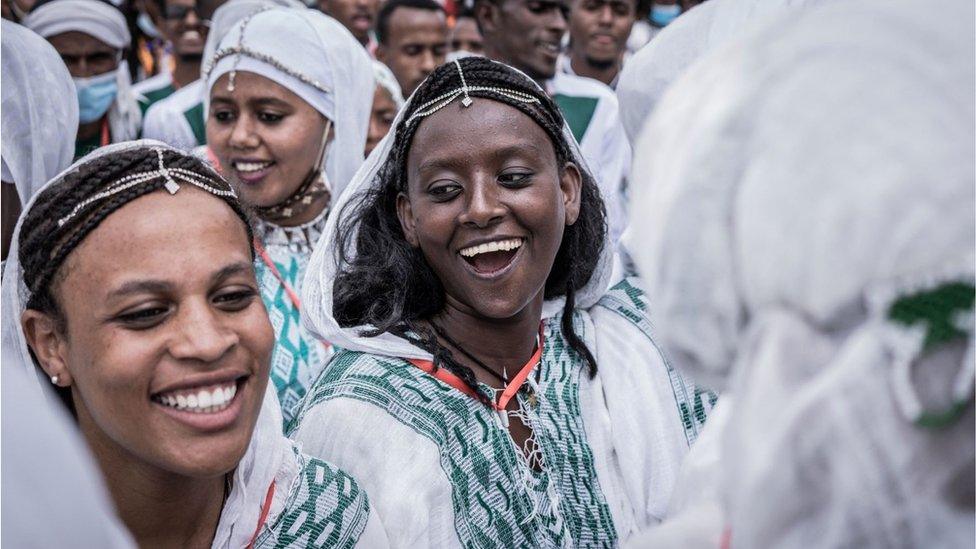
(444, 100)
(240, 50)
(129, 181)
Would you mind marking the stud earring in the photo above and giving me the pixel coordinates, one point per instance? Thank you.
(55, 379)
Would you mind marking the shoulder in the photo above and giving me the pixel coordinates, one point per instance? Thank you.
(324, 507)
(153, 90)
(180, 101)
(571, 85)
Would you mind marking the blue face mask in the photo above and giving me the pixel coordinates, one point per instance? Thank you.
(95, 96)
(662, 14)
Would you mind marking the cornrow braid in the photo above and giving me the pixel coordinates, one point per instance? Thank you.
(389, 285)
(45, 244)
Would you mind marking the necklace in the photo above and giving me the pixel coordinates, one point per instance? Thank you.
(440, 331)
(307, 193)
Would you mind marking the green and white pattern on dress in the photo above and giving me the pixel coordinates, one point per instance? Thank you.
(326, 508)
(498, 501)
(298, 357)
(694, 403)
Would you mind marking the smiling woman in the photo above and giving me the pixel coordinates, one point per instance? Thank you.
(484, 359)
(288, 121)
(161, 351)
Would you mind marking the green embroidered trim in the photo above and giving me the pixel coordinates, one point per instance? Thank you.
(693, 403)
(194, 116)
(578, 112)
(937, 310)
(327, 509)
(492, 508)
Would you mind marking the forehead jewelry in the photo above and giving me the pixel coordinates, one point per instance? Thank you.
(240, 50)
(444, 100)
(171, 175)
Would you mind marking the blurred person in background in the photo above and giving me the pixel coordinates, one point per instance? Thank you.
(387, 101)
(15, 10)
(359, 16)
(527, 35)
(465, 36)
(179, 120)
(598, 31)
(412, 38)
(92, 37)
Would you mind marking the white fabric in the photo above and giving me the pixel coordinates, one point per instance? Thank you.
(53, 492)
(151, 84)
(604, 145)
(229, 14)
(106, 23)
(321, 49)
(785, 215)
(649, 72)
(166, 119)
(40, 111)
(269, 456)
(317, 289)
(631, 422)
(384, 77)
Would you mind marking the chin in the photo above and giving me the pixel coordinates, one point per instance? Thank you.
(204, 461)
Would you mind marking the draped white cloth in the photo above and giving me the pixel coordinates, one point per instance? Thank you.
(800, 180)
(648, 73)
(106, 23)
(318, 50)
(40, 111)
(384, 77)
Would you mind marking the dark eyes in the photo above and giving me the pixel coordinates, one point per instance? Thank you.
(266, 117)
(511, 180)
(155, 314)
(515, 179)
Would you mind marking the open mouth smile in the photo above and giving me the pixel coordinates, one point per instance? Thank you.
(209, 407)
(492, 259)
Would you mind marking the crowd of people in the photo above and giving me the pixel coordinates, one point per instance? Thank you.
(491, 273)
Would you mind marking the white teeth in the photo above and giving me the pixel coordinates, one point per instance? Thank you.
(201, 401)
(250, 166)
(498, 245)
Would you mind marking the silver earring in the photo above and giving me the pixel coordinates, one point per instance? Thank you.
(55, 379)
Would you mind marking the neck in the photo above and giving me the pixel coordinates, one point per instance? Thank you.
(491, 52)
(186, 71)
(160, 508)
(604, 72)
(90, 129)
(503, 344)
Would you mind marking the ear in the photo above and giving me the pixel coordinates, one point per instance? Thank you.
(571, 185)
(488, 16)
(48, 343)
(405, 214)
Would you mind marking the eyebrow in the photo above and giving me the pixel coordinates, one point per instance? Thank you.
(509, 150)
(161, 286)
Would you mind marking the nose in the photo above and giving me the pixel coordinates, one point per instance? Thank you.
(191, 19)
(242, 134)
(606, 15)
(482, 208)
(557, 21)
(200, 334)
(428, 61)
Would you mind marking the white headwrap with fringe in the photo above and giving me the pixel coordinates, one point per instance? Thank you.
(320, 62)
(268, 447)
(106, 23)
(40, 111)
(801, 182)
(317, 315)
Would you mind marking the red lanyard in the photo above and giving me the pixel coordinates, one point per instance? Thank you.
(106, 137)
(292, 295)
(264, 514)
(511, 389)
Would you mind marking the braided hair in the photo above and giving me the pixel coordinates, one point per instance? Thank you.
(44, 245)
(389, 285)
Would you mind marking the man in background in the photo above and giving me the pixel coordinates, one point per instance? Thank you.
(412, 37)
(465, 36)
(359, 16)
(598, 31)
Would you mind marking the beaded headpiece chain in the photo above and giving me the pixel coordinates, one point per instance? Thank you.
(240, 50)
(171, 175)
(444, 100)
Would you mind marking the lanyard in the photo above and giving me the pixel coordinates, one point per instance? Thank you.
(264, 514)
(511, 389)
(292, 295)
(106, 137)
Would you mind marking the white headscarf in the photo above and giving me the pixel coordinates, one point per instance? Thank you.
(648, 73)
(267, 448)
(805, 178)
(384, 78)
(320, 62)
(106, 23)
(317, 315)
(228, 14)
(40, 111)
